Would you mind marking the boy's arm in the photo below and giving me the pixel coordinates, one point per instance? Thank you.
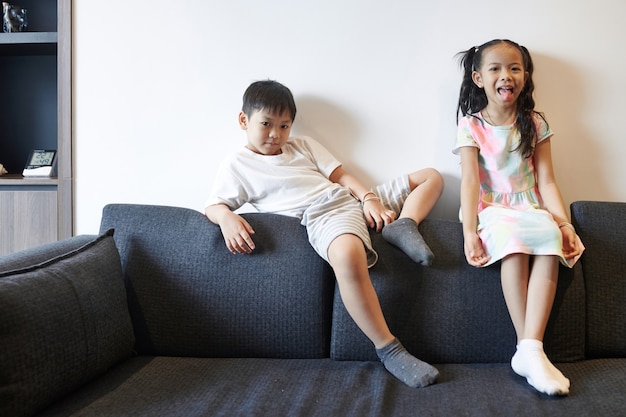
(235, 229)
(376, 214)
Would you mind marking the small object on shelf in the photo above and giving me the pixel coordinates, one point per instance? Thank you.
(41, 163)
(2, 170)
(13, 18)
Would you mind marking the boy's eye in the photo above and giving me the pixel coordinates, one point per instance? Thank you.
(285, 126)
(265, 123)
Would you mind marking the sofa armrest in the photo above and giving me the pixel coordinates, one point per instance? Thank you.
(63, 320)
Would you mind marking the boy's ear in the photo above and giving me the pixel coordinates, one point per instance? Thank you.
(477, 79)
(243, 120)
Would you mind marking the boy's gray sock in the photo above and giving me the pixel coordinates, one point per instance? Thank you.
(403, 233)
(406, 367)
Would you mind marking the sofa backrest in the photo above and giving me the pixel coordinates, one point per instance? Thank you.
(451, 312)
(189, 296)
(602, 228)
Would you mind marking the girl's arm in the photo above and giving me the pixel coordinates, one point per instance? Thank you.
(376, 214)
(551, 196)
(546, 182)
(470, 188)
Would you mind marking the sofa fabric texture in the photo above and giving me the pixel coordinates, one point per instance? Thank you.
(603, 229)
(191, 297)
(217, 334)
(63, 321)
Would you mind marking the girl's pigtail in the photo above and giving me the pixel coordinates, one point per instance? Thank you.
(526, 109)
(471, 98)
(466, 59)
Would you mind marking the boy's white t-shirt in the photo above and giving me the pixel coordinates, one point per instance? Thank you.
(284, 184)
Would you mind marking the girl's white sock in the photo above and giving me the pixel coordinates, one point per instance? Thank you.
(531, 362)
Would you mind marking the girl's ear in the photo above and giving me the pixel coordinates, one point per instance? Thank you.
(477, 79)
(243, 120)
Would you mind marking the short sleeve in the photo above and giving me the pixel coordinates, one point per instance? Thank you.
(543, 130)
(325, 161)
(227, 189)
(464, 136)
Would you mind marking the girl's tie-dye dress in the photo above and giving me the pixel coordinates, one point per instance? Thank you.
(511, 218)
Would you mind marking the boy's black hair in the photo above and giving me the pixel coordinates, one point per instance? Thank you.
(473, 99)
(268, 95)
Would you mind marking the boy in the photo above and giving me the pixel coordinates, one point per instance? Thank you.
(297, 177)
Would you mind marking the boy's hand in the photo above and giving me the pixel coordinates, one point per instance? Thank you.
(236, 232)
(377, 215)
(474, 251)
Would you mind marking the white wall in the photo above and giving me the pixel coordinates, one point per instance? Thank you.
(158, 85)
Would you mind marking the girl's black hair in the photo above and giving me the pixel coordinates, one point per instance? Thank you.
(269, 95)
(473, 99)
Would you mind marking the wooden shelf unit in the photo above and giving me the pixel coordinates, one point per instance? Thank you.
(35, 67)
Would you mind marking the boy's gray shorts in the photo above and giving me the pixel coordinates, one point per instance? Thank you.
(338, 212)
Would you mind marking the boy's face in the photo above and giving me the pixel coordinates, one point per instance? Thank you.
(267, 132)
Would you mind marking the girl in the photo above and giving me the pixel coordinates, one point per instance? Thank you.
(511, 206)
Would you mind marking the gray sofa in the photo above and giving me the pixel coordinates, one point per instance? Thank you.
(158, 319)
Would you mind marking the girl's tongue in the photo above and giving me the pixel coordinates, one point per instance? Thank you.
(506, 93)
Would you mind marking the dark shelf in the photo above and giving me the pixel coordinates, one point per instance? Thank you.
(28, 43)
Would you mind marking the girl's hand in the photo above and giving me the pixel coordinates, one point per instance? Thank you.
(236, 232)
(474, 250)
(377, 215)
(570, 243)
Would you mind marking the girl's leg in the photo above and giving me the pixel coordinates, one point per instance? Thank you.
(426, 187)
(529, 293)
(514, 274)
(347, 257)
(544, 277)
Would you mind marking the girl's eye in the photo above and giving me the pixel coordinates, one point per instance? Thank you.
(265, 123)
(285, 126)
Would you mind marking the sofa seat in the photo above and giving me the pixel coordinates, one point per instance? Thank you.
(173, 386)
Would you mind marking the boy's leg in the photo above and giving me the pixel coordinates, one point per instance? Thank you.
(347, 257)
(425, 187)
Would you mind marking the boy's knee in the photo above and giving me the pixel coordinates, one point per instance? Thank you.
(346, 248)
(426, 175)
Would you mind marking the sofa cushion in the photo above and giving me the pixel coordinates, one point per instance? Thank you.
(602, 229)
(248, 387)
(43, 253)
(63, 320)
(189, 296)
(452, 312)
